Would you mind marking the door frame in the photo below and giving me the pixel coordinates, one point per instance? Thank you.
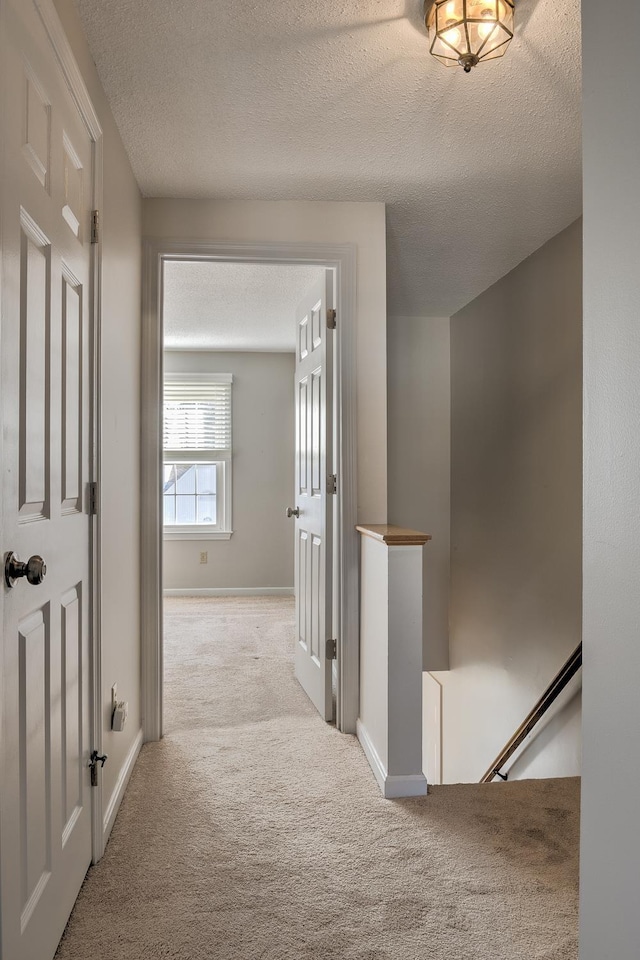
(342, 259)
(72, 76)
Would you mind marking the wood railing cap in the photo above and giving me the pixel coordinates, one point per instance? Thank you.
(393, 536)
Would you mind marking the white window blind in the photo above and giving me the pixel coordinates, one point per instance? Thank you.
(197, 412)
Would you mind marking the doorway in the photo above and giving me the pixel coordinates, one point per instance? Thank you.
(247, 432)
(160, 260)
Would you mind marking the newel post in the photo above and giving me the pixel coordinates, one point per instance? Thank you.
(390, 723)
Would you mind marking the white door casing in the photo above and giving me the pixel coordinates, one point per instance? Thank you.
(48, 289)
(314, 504)
(342, 260)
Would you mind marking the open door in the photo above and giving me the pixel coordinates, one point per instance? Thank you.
(314, 487)
(46, 591)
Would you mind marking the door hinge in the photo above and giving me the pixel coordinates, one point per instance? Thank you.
(332, 650)
(93, 499)
(332, 483)
(95, 226)
(94, 760)
(331, 318)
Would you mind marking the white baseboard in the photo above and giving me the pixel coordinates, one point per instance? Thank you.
(411, 785)
(370, 752)
(392, 787)
(229, 592)
(121, 786)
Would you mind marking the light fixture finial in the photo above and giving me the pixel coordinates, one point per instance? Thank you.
(465, 32)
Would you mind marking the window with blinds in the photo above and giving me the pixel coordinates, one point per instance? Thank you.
(197, 414)
(197, 440)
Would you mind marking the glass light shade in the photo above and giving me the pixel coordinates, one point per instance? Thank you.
(465, 32)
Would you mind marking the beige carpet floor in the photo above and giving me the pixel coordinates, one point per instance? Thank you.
(255, 831)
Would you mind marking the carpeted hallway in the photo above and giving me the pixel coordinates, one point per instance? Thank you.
(255, 831)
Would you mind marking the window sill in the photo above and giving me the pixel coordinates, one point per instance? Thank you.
(197, 533)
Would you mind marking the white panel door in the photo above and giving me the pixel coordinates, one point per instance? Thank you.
(314, 505)
(46, 192)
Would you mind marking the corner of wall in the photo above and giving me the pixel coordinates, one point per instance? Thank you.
(418, 453)
(516, 497)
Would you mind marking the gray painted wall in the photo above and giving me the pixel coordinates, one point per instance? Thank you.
(610, 852)
(260, 552)
(418, 444)
(516, 511)
(361, 225)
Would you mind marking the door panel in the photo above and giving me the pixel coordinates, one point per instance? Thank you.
(35, 313)
(303, 423)
(72, 673)
(72, 408)
(315, 597)
(34, 756)
(316, 452)
(301, 594)
(313, 555)
(46, 188)
(37, 127)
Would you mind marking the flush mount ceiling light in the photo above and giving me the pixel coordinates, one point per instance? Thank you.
(464, 32)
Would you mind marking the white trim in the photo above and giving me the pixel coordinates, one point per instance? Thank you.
(151, 519)
(229, 592)
(370, 752)
(205, 377)
(342, 259)
(345, 427)
(96, 446)
(392, 787)
(195, 532)
(432, 740)
(69, 66)
(413, 785)
(239, 349)
(121, 785)
(80, 94)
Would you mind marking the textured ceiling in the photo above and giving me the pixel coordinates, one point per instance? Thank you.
(240, 99)
(222, 306)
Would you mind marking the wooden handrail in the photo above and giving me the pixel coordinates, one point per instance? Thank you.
(552, 692)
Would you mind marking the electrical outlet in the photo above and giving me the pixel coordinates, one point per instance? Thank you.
(204, 556)
(114, 697)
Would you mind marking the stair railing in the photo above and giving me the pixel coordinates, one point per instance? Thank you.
(551, 694)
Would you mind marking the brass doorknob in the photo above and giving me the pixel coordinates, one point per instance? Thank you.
(35, 569)
(293, 512)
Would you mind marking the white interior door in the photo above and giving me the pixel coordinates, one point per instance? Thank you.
(314, 504)
(46, 193)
